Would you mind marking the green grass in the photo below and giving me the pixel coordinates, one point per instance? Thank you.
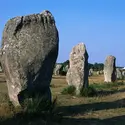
(69, 90)
(94, 89)
(67, 109)
(106, 86)
(88, 92)
(38, 109)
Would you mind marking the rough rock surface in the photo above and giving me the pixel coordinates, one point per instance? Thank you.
(90, 72)
(119, 73)
(78, 72)
(110, 69)
(98, 72)
(123, 74)
(57, 69)
(101, 71)
(29, 52)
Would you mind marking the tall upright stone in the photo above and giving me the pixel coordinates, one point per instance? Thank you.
(77, 74)
(118, 73)
(110, 69)
(29, 52)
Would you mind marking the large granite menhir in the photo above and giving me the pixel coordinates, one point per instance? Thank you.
(29, 52)
(78, 72)
(110, 69)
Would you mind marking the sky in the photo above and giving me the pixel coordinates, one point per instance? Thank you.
(99, 24)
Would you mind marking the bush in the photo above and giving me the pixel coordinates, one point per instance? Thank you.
(88, 92)
(38, 105)
(69, 90)
(62, 73)
(39, 108)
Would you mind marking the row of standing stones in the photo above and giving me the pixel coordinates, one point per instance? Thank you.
(78, 72)
(29, 53)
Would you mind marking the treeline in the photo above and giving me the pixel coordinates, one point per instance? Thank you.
(95, 67)
(63, 69)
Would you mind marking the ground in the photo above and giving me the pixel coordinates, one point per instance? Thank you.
(106, 108)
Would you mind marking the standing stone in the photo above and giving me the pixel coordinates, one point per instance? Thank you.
(123, 74)
(77, 74)
(29, 53)
(110, 69)
(57, 69)
(1, 69)
(101, 72)
(98, 72)
(66, 68)
(90, 72)
(119, 73)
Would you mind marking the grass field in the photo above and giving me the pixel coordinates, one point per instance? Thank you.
(107, 108)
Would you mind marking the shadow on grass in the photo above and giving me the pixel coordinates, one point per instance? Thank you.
(105, 92)
(83, 108)
(30, 119)
(69, 111)
(119, 120)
